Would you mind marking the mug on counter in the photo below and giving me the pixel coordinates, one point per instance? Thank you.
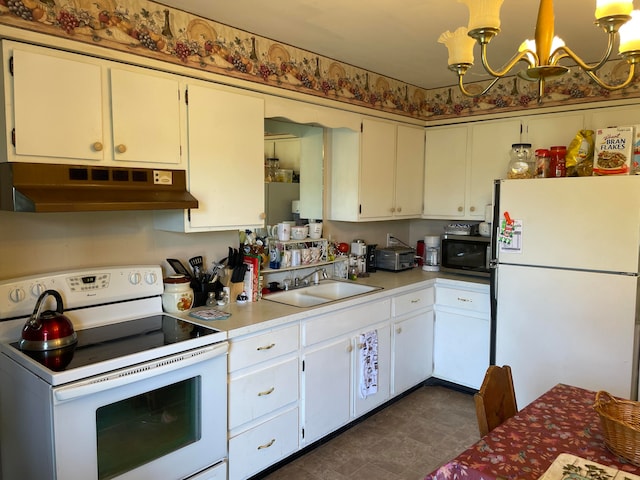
(284, 232)
(305, 256)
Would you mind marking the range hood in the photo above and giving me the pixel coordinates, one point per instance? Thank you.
(38, 187)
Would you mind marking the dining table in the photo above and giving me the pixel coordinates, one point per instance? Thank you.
(559, 424)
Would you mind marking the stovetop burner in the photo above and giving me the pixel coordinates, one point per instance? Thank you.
(118, 340)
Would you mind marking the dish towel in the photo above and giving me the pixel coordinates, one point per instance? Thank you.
(368, 363)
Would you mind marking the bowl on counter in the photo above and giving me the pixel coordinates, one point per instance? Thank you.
(299, 232)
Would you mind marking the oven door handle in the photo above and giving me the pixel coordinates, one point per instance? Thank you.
(139, 372)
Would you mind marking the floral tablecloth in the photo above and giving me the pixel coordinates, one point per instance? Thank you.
(560, 421)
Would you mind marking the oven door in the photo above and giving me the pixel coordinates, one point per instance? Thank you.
(161, 419)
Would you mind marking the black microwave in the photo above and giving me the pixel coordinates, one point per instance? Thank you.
(467, 254)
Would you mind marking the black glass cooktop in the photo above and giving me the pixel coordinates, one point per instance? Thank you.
(107, 342)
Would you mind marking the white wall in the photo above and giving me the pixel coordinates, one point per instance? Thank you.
(33, 243)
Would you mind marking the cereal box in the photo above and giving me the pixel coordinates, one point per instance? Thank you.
(613, 151)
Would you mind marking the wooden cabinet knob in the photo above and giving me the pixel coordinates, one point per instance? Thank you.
(399, 209)
(97, 146)
(399, 330)
(473, 209)
(460, 209)
(121, 148)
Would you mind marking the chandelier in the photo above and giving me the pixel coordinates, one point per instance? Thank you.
(542, 54)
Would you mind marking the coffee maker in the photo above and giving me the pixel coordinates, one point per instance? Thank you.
(371, 258)
(431, 262)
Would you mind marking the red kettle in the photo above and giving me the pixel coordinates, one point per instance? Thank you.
(47, 330)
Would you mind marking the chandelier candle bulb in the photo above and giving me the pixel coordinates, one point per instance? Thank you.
(460, 46)
(483, 13)
(630, 34)
(609, 8)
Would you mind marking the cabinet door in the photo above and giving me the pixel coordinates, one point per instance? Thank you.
(377, 167)
(544, 131)
(613, 117)
(489, 159)
(57, 101)
(226, 164)
(364, 403)
(412, 350)
(461, 347)
(145, 109)
(326, 389)
(445, 168)
(409, 171)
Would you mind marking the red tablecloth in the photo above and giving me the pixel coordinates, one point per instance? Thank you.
(560, 421)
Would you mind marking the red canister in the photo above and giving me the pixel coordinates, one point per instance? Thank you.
(557, 162)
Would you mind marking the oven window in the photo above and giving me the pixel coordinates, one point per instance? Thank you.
(140, 429)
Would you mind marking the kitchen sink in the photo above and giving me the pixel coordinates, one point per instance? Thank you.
(325, 292)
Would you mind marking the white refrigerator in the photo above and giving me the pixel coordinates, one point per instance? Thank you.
(565, 288)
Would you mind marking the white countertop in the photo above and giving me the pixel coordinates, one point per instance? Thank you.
(263, 314)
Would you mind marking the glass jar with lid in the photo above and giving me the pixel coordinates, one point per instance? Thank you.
(520, 165)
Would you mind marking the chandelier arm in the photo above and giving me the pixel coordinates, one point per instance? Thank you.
(520, 56)
(564, 51)
(602, 84)
(469, 94)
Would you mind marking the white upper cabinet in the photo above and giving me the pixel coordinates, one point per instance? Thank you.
(445, 171)
(145, 110)
(376, 174)
(226, 161)
(55, 100)
(462, 161)
(68, 108)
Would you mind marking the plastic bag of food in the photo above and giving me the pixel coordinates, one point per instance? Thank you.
(580, 154)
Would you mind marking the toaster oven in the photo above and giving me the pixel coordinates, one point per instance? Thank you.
(395, 259)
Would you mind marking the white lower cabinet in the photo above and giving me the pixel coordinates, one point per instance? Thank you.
(263, 445)
(412, 333)
(462, 335)
(331, 367)
(263, 400)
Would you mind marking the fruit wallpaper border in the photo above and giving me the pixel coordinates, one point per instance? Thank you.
(156, 31)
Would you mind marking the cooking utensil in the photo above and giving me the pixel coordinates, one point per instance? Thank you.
(196, 263)
(47, 330)
(178, 267)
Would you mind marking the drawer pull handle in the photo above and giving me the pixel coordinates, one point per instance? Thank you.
(417, 300)
(267, 445)
(266, 347)
(460, 299)
(267, 392)
(399, 330)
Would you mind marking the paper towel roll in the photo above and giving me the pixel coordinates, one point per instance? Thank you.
(488, 213)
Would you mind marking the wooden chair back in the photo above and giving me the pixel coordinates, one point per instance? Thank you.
(496, 399)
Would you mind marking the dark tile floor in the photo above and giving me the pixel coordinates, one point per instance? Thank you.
(405, 441)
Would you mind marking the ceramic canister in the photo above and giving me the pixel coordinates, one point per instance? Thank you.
(178, 294)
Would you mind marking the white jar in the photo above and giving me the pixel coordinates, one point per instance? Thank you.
(178, 294)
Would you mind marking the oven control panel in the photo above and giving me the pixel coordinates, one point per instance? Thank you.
(80, 288)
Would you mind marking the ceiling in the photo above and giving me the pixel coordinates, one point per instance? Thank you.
(397, 39)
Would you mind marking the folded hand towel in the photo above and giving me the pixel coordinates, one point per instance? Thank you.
(368, 363)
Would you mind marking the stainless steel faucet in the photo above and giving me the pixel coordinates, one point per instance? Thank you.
(316, 276)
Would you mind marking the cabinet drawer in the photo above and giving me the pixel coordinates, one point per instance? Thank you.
(412, 301)
(260, 348)
(264, 445)
(464, 299)
(262, 391)
(345, 321)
